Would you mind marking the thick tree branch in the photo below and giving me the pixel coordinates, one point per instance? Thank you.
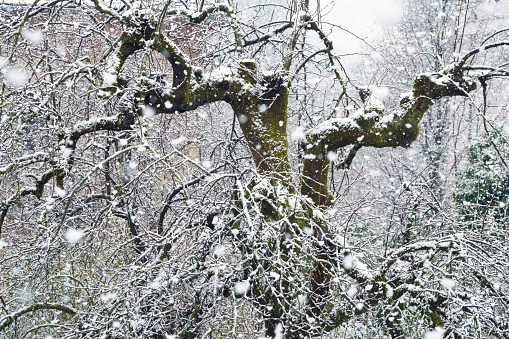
(10, 318)
(369, 126)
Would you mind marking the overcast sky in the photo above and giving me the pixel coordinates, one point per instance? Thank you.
(364, 18)
(368, 18)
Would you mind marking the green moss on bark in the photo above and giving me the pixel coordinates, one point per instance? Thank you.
(263, 120)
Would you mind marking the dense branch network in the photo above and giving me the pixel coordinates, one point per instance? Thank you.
(260, 103)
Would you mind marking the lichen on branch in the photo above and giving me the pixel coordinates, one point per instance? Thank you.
(374, 126)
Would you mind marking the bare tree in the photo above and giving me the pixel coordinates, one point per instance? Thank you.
(149, 189)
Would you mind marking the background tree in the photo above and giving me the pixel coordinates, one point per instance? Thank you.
(483, 185)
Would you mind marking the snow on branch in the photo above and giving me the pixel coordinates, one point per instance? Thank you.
(12, 317)
(374, 126)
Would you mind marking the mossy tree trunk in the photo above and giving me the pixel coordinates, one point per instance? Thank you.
(260, 103)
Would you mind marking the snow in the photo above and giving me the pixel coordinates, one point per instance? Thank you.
(439, 79)
(242, 118)
(243, 246)
(220, 73)
(178, 141)
(3, 244)
(219, 250)
(380, 93)
(352, 291)
(262, 108)
(74, 235)
(108, 296)
(16, 77)
(388, 291)
(298, 133)
(156, 284)
(149, 111)
(437, 333)
(35, 36)
(279, 334)
(241, 287)
(349, 262)
(308, 230)
(332, 156)
(275, 275)
(373, 104)
(109, 79)
(334, 124)
(59, 191)
(448, 284)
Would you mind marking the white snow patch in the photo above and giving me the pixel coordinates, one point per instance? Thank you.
(352, 291)
(16, 77)
(298, 134)
(178, 141)
(308, 230)
(437, 333)
(389, 292)
(302, 299)
(59, 191)
(109, 79)
(349, 262)
(149, 111)
(448, 284)
(242, 118)
(332, 156)
(279, 334)
(219, 250)
(275, 275)
(32, 35)
(156, 284)
(410, 50)
(73, 235)
(108, 296)
(380, 92)
(3, 244)
(241, 287)
(67, 151)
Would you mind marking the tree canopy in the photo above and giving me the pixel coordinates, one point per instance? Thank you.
(169, 170)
